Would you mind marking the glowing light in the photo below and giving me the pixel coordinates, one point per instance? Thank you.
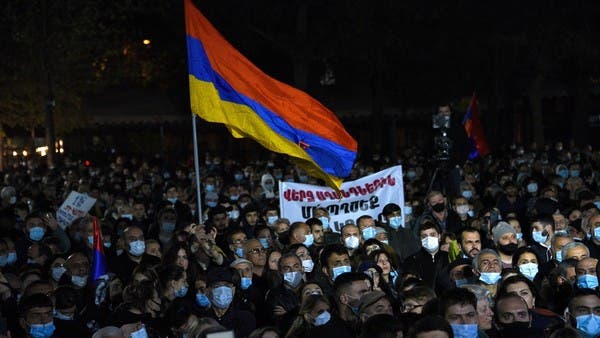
(43, 151)
(15, 153)
(146, 42)
(25, 153)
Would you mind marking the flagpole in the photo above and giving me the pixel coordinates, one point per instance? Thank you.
(197, 168)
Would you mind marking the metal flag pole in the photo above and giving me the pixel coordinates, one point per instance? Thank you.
(197, 168)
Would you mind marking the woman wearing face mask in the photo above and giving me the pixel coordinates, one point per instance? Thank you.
(173, 282)
(389, 272)
(316, 320)
(528, 263)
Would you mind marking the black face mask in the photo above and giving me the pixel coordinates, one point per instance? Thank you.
(438, 207)
(508, 249)
(516, 329)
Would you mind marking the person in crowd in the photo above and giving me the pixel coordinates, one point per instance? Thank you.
(487, 268)
(401, 238)
(469, 240)
(485, 314)
(430, 260)
(459, 307)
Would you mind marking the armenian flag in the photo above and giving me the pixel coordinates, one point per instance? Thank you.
(227, 88)
(99, 264)
(477, 143)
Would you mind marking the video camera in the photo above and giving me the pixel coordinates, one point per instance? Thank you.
(442, 142)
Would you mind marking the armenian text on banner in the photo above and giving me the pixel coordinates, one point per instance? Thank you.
(365, 196)
(75, 206)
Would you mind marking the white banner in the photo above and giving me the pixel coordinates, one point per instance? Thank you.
(75, 206)
(365, 196)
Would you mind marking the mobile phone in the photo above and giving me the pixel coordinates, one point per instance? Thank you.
(222, 334)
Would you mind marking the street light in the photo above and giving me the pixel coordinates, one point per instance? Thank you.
(25, 153)
(146, 42)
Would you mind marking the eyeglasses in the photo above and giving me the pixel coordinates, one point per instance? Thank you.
(258, 251)
(410, 307)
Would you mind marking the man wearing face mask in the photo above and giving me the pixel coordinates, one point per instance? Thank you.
(403, 240)
(430, 260)
(513, 318)
(351, 239)
(135, 246)
(171, 198)
(487, 267)
(542, 231)
(221, 291)
(505, 239)
(349, 288)
(166, 223)
(584, 313)
(446, 219)
(461, 206)
(77, 273)
(334, 262)
(586, 273)
(36, 228)
(300, 234)
(283, 301)
(35, 317)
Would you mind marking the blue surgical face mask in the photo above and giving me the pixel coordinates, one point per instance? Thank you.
(293, 278)
(519, 236)
(395, 222)
(36, 233)
(57, 272)
(202, 300)
(172, 200)
(460, 282)
(211, 204)
(137, 248)
(532, 187)
(79, 281)
(468, 194)
(564, 173)
(181, 292)
(222, 297)
(325, 221)
(407, 210)
(11, 258)
(529, 270)
(272, 219)
(62, 316)
(238, 177)
(558, 256)
(168, 227)
(340, 270)
(597, 232)
(574, 173)
(490, 278)
(90, 240)
(42, 330)
(323, 318)
(369, 233)
(587, 282)
(209, 187)
(234, 214)
(239, 252)
(464, 330)
(309, 240)
(590, 324)
(264, 242)
(245, 283)
(538, 237)
(141, 333)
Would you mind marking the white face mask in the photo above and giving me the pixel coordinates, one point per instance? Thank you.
(462, 209)
(351, 242)
(431, 244)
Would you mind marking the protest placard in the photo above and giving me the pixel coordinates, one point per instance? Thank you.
(365, 196)
(75, 206)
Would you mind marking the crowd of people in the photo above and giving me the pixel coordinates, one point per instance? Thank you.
(511, 251)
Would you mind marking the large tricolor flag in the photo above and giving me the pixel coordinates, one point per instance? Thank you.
(477, 143)
(227, 88)
(99, 263)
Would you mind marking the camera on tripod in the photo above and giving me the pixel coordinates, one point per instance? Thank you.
(442, 142)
